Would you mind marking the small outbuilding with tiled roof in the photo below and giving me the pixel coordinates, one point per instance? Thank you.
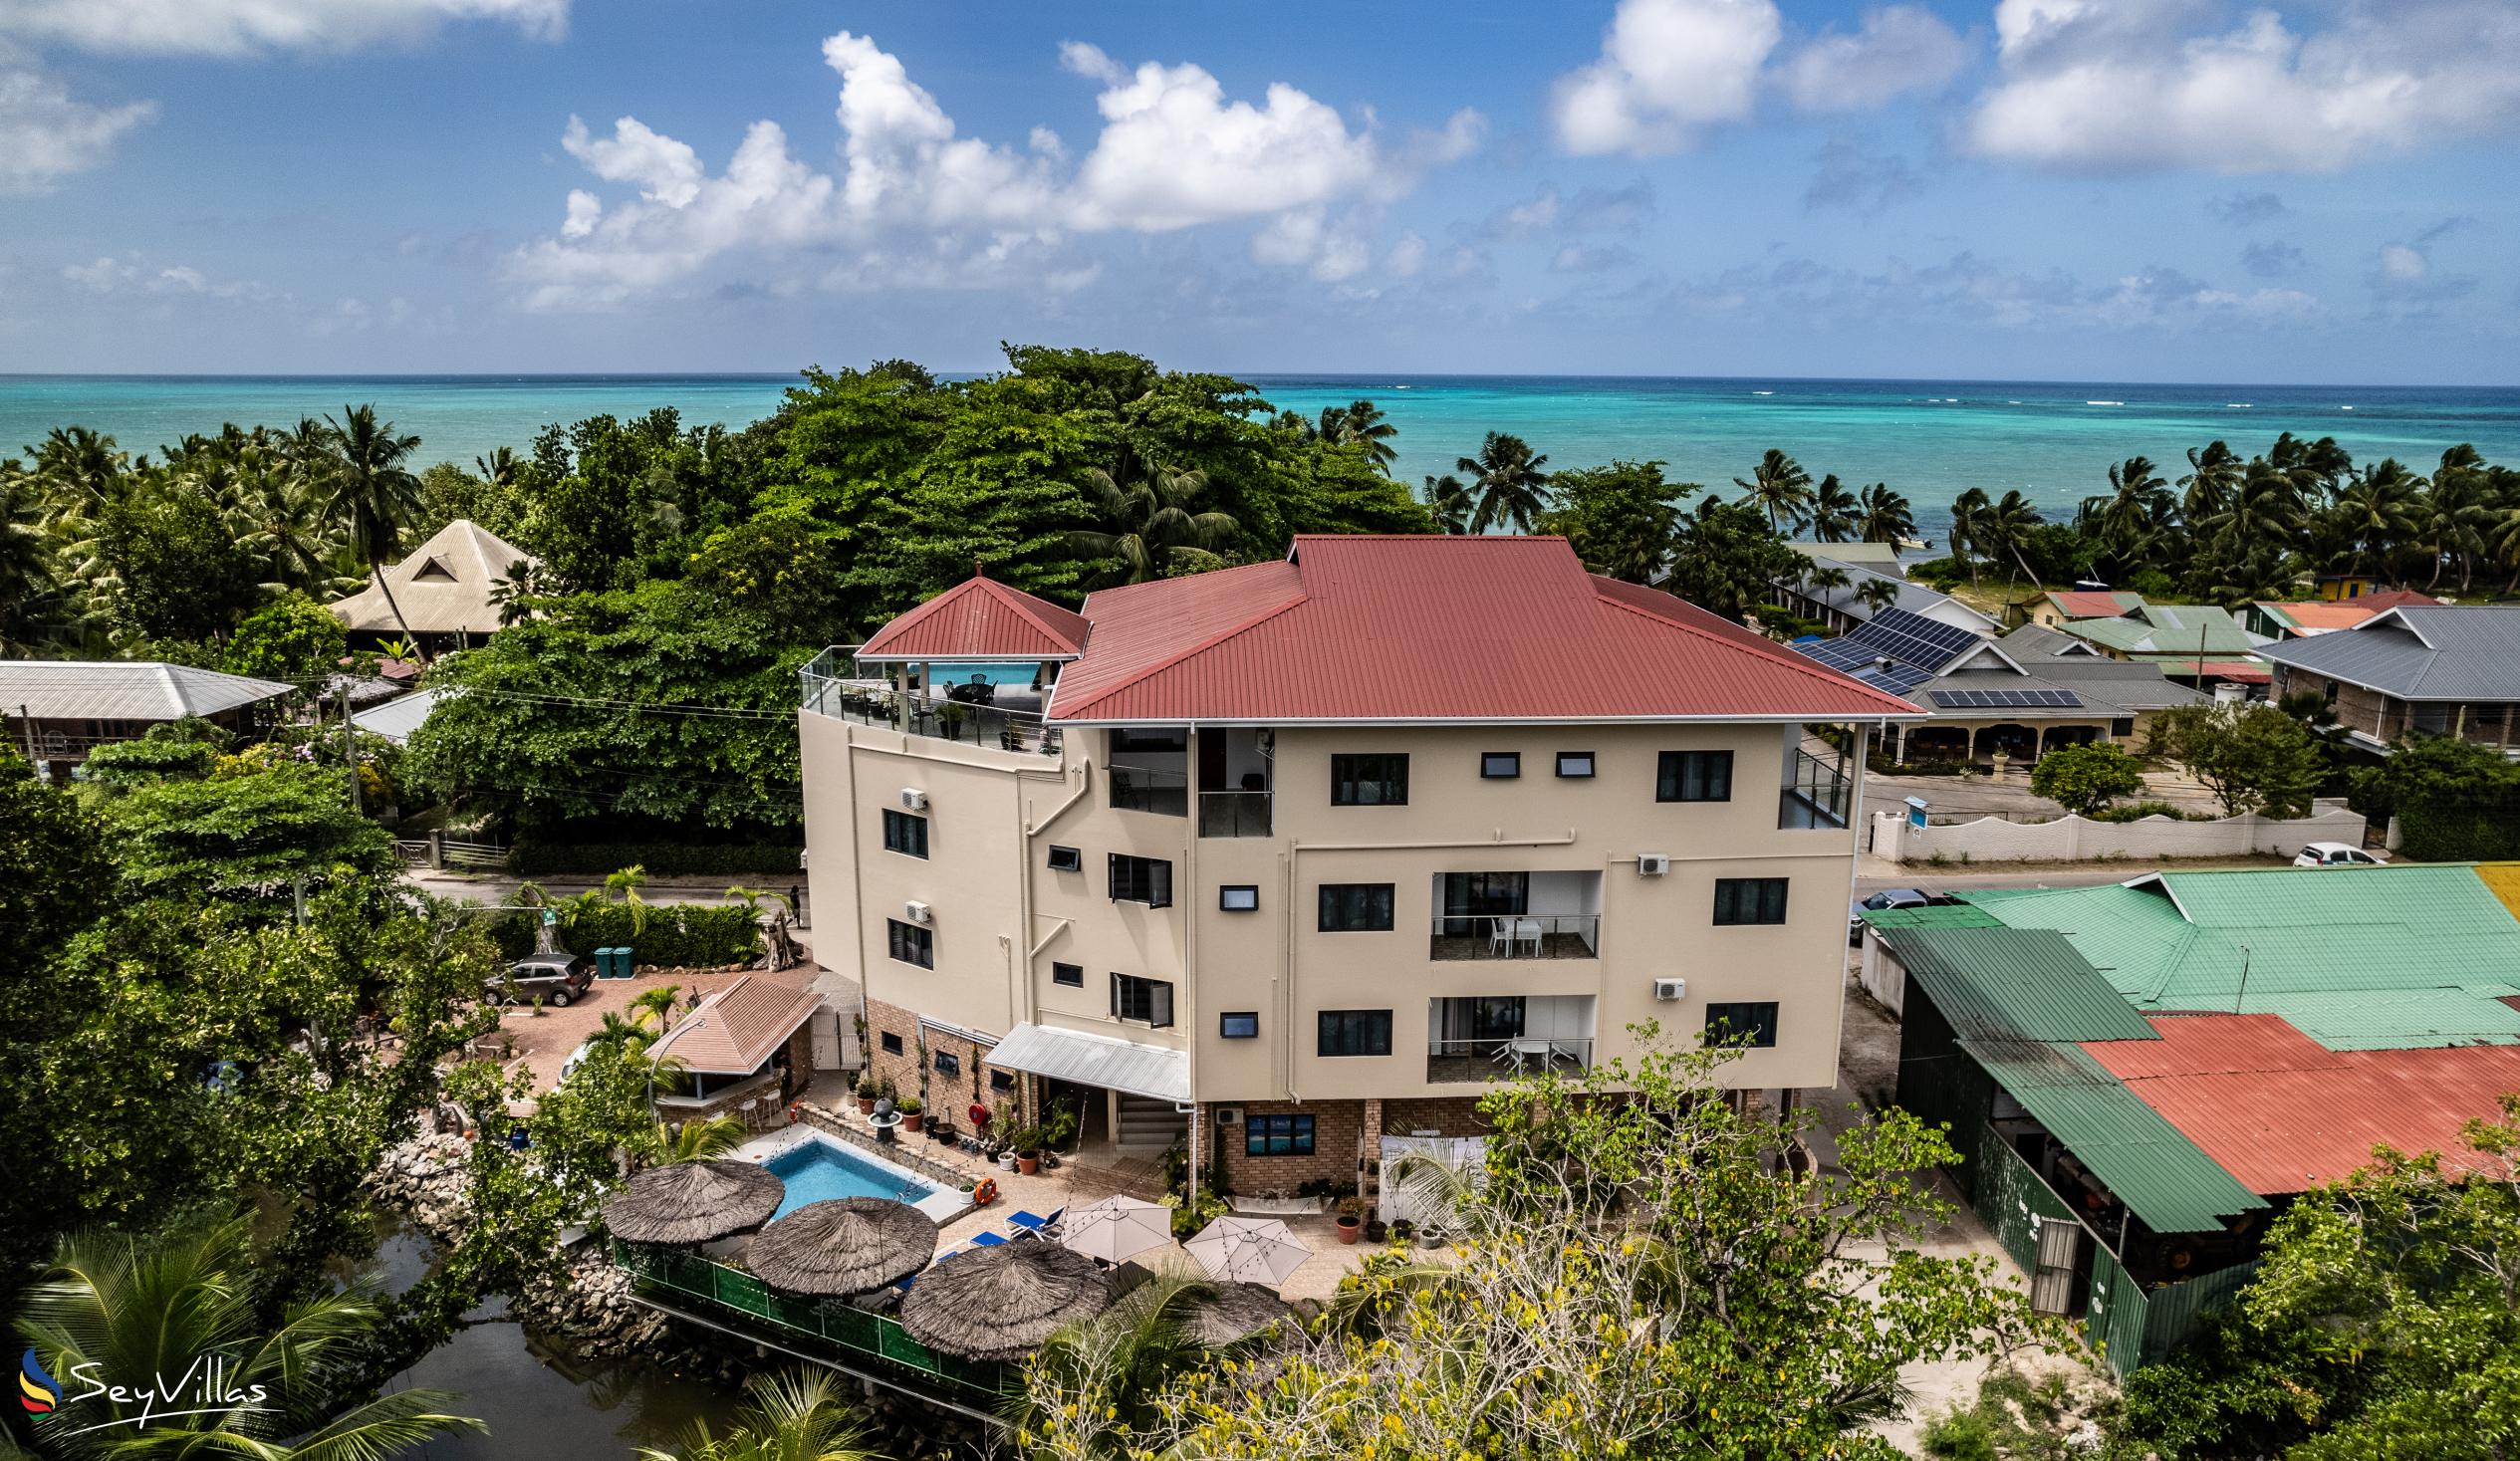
(750, 1042)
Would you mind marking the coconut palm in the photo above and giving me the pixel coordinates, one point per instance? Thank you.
(1834, 511)
(75, 472)
(368, 493)
(655, 1004)
(1821, 579)
(783, 948)
(2005, 528)
(1885, 516)
(138, 1306)
(1878, 594)
(514, 591)
(1362, 424)
(2130, 517)
(1449, 501)
(699, 1140)
(2214, 472)
(500, 467)
(2377, 511)
(625, 883)
(1779, 487)
(1507, 487)
(1159, 534)
(274, 512)
(2458, 516)
(1968, 525)
(797, 1415)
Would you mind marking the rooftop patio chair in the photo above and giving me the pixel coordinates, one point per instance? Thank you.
(1500, 935)
(1030, 1225)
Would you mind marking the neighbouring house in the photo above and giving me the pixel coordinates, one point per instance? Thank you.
(2199, 645)
(743, 1052)
(1287, 861)
(443, 592)
(2140, 1076)
(2018, 697)
(58, 710)
(2316, 616)
(396, 719)
(1842, 606)
(2335, 586)
(2436, 670)
(2060, 606)
(1879, 557)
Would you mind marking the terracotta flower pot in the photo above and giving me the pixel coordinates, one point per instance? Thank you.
(866, 1106)
(911, 1119)
(1350, 1229)
(1028, 1165)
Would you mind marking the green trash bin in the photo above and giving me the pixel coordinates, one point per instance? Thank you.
(624, 964)
(612, 965)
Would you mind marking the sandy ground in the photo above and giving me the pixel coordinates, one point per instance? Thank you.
(542, 1042)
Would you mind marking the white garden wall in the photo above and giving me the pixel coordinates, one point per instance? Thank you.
(2071, 839)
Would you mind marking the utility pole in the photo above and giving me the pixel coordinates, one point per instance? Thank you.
(26, 723)
(350, 752)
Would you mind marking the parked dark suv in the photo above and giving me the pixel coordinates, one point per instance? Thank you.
(558, 978)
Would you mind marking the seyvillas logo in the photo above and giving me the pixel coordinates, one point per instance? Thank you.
(38, 1391)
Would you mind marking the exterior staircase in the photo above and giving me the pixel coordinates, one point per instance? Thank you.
(1148, 1126)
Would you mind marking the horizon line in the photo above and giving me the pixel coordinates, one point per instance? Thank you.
(1399, 377)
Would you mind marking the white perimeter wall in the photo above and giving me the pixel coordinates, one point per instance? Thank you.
(2073, 838)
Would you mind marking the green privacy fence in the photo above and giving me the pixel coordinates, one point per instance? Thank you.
(842, 1325)
(2142, 1326)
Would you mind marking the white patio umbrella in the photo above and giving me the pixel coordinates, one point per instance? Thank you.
(1116, 1228)
(1241, 1250)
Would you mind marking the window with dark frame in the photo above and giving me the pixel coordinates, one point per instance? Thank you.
(910, 943)
(1575, 765)
(1001, 1081)
(1378, 778)
(1148, 1000)
(1693, 775)
(1066, 859)
(1287, 1134)
(891, 1041)
(1238, 898)
(1145, 880)
(1740, 901)
(948, 1063)
(1238, 1025)
(1500, 765)
(1752, 1023)
(1354, 1032)
(1072, 975)
(905, 833)
(1355, 908)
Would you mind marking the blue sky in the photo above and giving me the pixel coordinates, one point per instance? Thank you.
(2320, 190)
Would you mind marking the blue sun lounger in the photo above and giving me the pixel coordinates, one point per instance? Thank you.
(1032, 1225)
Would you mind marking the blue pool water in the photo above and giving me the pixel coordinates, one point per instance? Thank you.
(942, 673)
(817, 1171)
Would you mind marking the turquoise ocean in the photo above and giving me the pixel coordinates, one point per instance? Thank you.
(1927, 438)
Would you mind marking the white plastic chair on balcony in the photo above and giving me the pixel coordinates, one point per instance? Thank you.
(1500, 936)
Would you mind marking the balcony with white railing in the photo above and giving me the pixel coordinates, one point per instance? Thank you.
(1498, 1036)
(974, 712)
(1516, 916)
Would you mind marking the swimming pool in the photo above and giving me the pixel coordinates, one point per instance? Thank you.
(817, 1169)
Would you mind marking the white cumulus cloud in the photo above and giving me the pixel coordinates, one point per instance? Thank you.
(2126, 85)
(915, 203)
(1899, 49)
(1668, 68)
(45, 134)
(243, 27)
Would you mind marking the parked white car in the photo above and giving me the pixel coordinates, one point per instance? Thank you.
(2336, 855)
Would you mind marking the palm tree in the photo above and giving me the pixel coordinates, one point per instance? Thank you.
(625, 884)
(137, 1305)
(1362, 424)
(1970, 512)
(513, 593)
(1159, 534)
(2214, 471)
(75, 472)
(1449, 501)
(371, 495)
(783, 948)
(655, 1004)
(2458, 514)
(500, 467)
(1820, 580)
(273, 511)
(1121, 1358)
(1506, 485)
(1833, 511)
(1779, 487)
(2006, 527)
(800, 1415)
(1885, 515)
(699, 1140)
(1878, 594)
(2377, 510)
(2128, 518)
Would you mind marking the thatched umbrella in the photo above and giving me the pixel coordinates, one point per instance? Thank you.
(848, 1245)
(693, 1201)
(1233, 1313)
(1001, 1302)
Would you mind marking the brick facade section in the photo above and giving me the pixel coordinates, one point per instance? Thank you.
(1446, 1116)
(947, 1097)
(1338, 1136)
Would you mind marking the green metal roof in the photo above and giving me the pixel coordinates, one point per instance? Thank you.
(1949, 916)
(2015, 984)
(2168, 629)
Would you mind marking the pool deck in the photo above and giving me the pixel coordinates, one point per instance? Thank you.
(942, 1206)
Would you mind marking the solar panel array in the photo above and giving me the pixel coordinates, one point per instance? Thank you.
(1916, 647)
(2006, 699)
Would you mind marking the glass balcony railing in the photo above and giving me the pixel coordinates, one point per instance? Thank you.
(1516, 936)
(1234, 814)
(829, 688)
(1817, 794)
(1146, 789)
(1468, 1062)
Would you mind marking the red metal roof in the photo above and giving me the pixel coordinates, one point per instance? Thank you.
(980, 618)
(1416, 628)
(2093, 602)
(2246, 670)
(2396, 598)
(2282, 1112)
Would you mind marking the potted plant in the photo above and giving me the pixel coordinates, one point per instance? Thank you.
(1375, 1230)
(1027, 1144)
(1351, 1219)
(910, 1109)
(868, 1091)
(1403, 1230)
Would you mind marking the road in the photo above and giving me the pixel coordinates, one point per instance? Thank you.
(1875, 875)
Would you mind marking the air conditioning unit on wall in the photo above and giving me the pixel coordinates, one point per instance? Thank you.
(1670, 989)
(919, 913)
(913, 800)
(1652, 865)
(1229, 1115)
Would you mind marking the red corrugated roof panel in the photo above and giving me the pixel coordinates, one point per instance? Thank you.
(2283, 1114)
(2093, 602)
(2397, 599)
(980, 618)
(1418, 628)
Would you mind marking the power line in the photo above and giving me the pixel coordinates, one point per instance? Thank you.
(655, 707)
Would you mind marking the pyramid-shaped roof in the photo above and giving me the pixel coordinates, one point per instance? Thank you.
(980, 618)
(443, 587)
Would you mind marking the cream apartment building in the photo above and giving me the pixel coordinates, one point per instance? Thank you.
(1290, 857)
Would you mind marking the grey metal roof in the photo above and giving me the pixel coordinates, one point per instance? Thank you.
(2418, 654)
(397, 719)
(1095, 1059)
(1871, 555)
(1914, 597)
(124, 689)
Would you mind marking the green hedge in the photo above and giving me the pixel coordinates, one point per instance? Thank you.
(661, 859)
(693, 934)
(2458, 830)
